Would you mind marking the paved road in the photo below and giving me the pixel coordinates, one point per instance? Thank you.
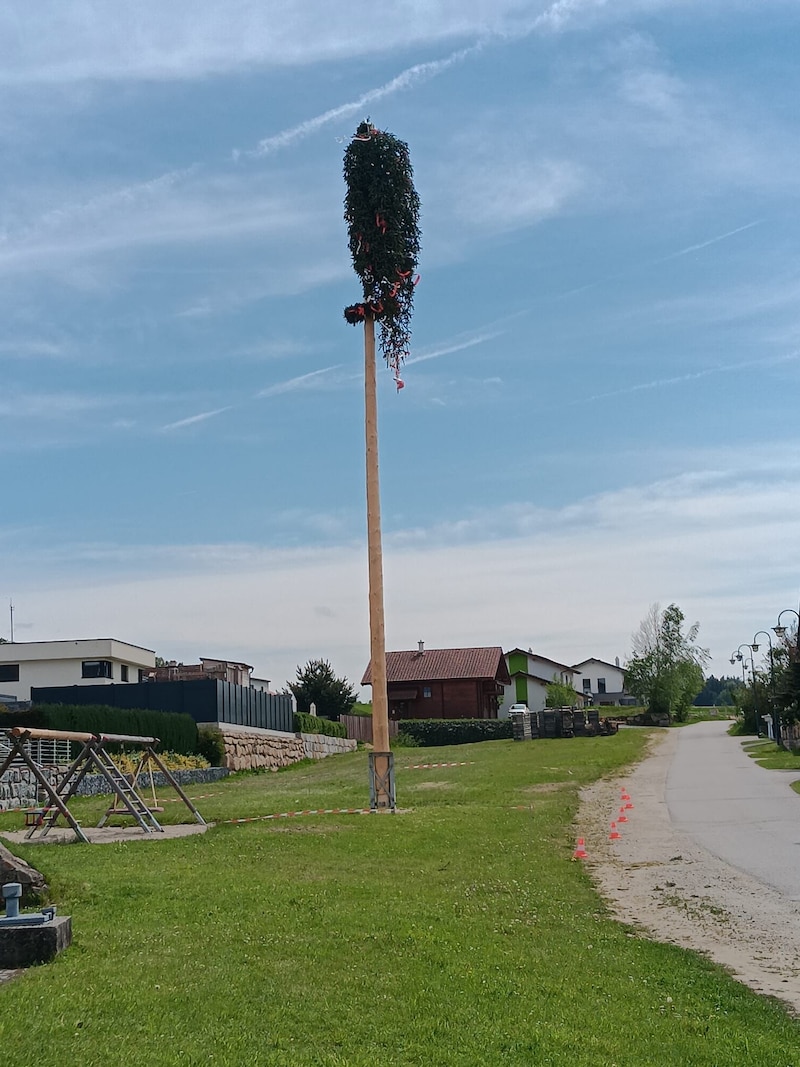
(747, 816)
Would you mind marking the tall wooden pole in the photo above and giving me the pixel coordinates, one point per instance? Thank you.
(382, 775)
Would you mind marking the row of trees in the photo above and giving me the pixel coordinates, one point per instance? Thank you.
(665, 673)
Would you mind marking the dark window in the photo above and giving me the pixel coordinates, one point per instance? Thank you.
(601, 685)
(9, 672)
(123, 672)
(587, 685)
(96, 668)
(426, 690)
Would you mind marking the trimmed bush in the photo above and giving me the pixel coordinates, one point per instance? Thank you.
(433, 732)
(314, 724)
(211, 746)
(177, 733)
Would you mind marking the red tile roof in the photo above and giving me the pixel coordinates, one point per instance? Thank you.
(438, 664)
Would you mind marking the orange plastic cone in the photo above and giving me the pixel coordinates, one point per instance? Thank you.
(615, 835)
(580, 852)
(622, 817)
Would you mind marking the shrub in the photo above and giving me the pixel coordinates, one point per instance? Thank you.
(403, 741)
(211, 746)
(434, 732)
(313, 724)
(177, 733)
(173, 761)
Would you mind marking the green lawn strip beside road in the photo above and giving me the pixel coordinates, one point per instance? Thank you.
(767, 754)
(461, 933)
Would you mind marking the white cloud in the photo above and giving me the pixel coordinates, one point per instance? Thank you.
(572, 581)
(192, 420)
(55, 41)
(407, 79)
(508, 187)
(311, 380)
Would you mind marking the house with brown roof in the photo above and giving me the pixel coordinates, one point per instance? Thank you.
(444, 683)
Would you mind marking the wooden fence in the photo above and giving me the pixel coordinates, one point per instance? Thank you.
(359, 727)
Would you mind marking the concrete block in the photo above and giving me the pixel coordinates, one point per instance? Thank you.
(22, 946)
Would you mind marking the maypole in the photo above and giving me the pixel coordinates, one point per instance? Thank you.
(382, 215)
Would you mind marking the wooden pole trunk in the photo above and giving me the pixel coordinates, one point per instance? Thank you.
(380, 702)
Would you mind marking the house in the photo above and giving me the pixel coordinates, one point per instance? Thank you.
(221, 670)
(97, 661)
(529, 676)
(603, 683)
(444, 683)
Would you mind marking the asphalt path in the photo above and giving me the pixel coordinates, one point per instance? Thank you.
(747, 816)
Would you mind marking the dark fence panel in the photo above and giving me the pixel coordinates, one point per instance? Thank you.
(206, 700)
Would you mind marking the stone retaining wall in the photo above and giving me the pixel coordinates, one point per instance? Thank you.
(17, 789)
(318, 746)
(246, 749)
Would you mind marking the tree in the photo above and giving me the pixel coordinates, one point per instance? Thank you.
(317, 684)
(560, 694)
(718, 692)
(665, 671)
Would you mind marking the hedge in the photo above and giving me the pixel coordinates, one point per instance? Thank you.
(177, 733)
(313, 724)
(433, 732)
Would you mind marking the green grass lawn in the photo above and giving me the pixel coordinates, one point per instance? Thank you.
(767, 754)
(460, 933)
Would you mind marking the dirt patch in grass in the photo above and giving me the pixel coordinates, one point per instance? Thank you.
(432, 785)
(662, 883)
(547, 787)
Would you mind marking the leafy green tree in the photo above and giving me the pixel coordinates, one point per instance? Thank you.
(665, 671)
(559, 694)
(317, 684)
(786, 664)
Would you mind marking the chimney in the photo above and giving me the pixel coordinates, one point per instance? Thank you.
(616, 660)
(421, 647)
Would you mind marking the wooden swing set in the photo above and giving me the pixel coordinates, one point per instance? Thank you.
(94, 755)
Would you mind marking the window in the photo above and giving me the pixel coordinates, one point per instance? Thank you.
(601, 685)
(426, 690)
(9, 672)
(587, 685)
(96, 668)
(123, 672)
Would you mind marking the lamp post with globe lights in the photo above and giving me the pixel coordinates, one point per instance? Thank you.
(737, 655)
(780, 632)
(775, 712)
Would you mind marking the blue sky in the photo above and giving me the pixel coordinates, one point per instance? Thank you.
(600, 404)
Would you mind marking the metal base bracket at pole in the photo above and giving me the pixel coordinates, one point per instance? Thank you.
(381, 781)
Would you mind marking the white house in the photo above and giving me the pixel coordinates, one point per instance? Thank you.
(530, 675)
(603, 683)
(100, 661)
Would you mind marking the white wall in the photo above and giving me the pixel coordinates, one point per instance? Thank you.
(45, 663)
(537, 697)
(594, 669)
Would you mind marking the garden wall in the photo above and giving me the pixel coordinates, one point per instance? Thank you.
(246, 749)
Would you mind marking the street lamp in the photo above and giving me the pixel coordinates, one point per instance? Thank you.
(780, 631)
(775, 711)
(738, 655)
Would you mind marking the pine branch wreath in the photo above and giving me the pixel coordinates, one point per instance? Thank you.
(381, 210)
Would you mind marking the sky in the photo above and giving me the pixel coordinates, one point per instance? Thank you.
(601, 394)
